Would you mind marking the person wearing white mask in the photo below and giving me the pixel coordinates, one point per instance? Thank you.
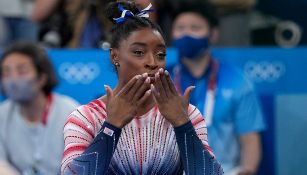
(32, 118)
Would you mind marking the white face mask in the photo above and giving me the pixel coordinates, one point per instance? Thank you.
(19, 90)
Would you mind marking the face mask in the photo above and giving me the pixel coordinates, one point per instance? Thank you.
(191, 47)
(19, 90)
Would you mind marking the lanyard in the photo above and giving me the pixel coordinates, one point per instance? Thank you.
(210, 94)
(39, 141)
(47, 109)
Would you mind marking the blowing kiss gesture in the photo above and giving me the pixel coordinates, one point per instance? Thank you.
(123, 106)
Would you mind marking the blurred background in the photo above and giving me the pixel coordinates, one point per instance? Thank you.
(266, 39)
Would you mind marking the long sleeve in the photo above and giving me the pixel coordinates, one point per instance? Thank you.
(96, 158)
(89, 141)
(195, 153)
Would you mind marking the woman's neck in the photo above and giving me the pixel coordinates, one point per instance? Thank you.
(33, 111)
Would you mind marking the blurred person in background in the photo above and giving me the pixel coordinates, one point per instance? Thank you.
(72, 23)
(224, 95)
(17, 23)
(2, 31)
(165, 10)
(32, 118)
(234, 16)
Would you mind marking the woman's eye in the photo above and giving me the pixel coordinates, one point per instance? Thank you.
(138, 53)
(161, 55)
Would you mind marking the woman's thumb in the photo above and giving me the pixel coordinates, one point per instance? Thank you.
(109, 92)
(187, 93)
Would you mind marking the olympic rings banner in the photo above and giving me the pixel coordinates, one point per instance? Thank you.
(279, 76)
(280, 79)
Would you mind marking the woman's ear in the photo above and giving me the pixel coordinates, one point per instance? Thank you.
(114, 56)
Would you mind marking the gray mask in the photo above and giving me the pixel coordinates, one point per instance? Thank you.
(19, 90)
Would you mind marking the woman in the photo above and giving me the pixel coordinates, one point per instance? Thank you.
(142, 126)
(32, 118)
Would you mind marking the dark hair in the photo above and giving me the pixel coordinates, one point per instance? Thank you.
(122, 30)
(200, 7)
(38, 57)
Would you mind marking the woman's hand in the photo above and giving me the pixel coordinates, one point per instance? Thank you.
(122, 107)
(172, 106)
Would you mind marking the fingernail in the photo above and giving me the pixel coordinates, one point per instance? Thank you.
(149, 91)
(147, 80)
(157, 75)
(105, 86)
(160, 70)
(166, 72)
(138, 77)
(145, 75)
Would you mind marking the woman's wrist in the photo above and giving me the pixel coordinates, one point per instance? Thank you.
(181, 121)
(114, 122)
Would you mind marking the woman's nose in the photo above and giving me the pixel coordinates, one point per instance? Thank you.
(151, 62)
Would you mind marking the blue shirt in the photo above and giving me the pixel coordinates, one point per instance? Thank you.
(236, 111)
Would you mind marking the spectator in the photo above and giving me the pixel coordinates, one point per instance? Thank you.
(32, 118)
(222, 93)
(17, 23)
(72, 23)
(2, 31)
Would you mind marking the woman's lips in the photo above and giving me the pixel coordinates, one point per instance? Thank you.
(152, 77)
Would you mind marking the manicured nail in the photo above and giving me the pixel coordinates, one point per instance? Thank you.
(157, 75)
(147, 80)
(149, 91)
(138, 77)
(161, 70)
(145, 75)
(166, 72)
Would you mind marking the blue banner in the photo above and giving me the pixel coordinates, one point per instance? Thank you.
(279, 75)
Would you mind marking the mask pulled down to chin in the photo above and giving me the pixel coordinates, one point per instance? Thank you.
(19, 90)
(191, 47)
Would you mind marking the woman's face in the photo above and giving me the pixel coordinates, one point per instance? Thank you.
(191, 24)
(143, 51)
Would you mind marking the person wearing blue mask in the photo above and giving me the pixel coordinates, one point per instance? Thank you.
(32, 118)
(224, 95)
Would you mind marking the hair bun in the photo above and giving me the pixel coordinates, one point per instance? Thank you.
(112, 10)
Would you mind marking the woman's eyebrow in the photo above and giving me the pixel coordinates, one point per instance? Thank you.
(139, 44)
(163, 46)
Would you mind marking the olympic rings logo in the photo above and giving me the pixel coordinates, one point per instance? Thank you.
(79, 73)
(264, 71)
